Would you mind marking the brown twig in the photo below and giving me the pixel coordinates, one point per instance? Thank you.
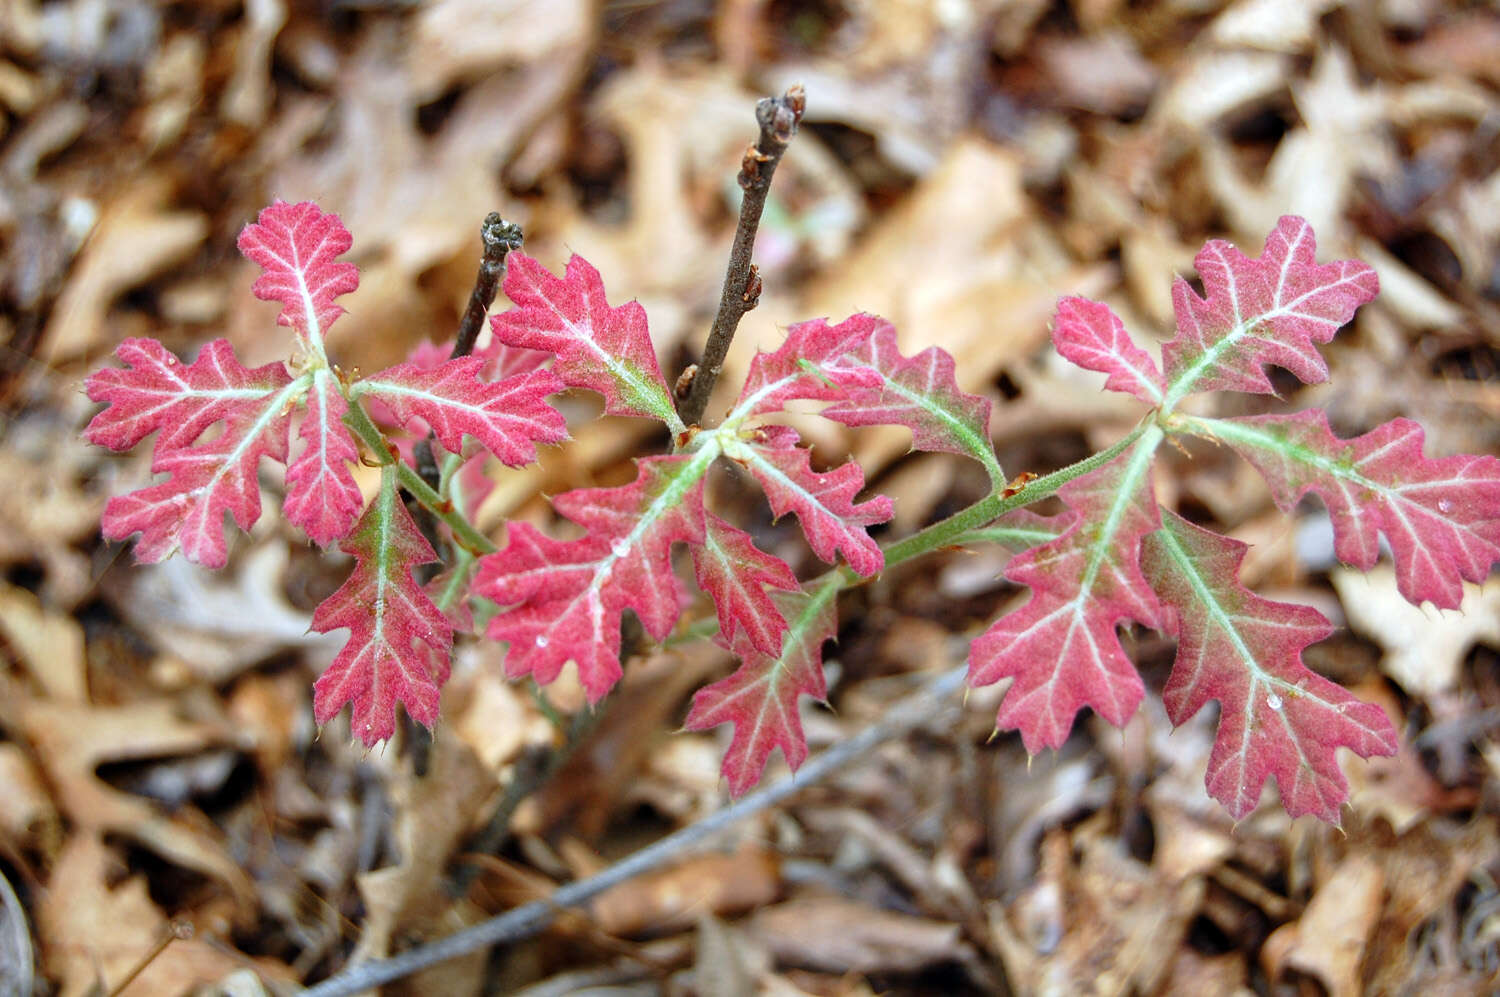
(500, 239)
(778, 118)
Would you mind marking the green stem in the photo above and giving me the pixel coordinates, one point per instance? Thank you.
(464, 533)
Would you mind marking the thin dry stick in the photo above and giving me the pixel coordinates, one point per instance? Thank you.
(778, 118)
(500, 239)
(527, 920)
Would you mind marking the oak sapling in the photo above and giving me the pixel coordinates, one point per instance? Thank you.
(1111, 557)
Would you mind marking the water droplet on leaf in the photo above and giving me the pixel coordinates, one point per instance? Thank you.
(541, 641)
(619, 547)
(1273, 701)
(1445, 505)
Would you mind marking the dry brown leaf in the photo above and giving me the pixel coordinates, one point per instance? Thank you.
(1425, 647)
(49, 644)
(28, 818)
(677, 897)
(137, 237)
(1330, 938)
(71, 741)
(93, 934)
(458, 40)
(1278, 25)
(838, 935)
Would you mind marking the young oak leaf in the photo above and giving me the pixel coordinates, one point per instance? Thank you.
(399, 641)
(858, 366)
(566, 597)
(1274, 309)
(156, 392)
(823, 502)
(1277, 717)
(204, 482)
(603, 349)
(509, 417)
(1092, 336)
(760, 697)
(322, 496)
(735, 573)
(297, 247)
(1440, 515)
(1061, 646)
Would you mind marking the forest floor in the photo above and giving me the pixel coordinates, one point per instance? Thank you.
(961, 166)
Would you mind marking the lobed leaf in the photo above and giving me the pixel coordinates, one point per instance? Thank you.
(1277, 717)
(297, 247)
(735, 573)
(566, 597)
(203, 483)
(858, 366)
(322, 496)
(1441, 516)
(1273, 309)
(597, 347)
(399, 641)
(823, 502)
(1093, 337)
(1061, 647)
(760, 697)
(157, 392)
(509, 417)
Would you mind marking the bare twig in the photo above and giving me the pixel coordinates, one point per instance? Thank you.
(500, 238)
(527, 920)
(778, 118)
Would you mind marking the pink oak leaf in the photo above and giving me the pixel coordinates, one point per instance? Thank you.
(508, 417)
(735, 574)
(1061, 647)
(760, 697)
(186, 511)
(1093, 337)
(1273, 309)
(603, 349)
(1277, 717)
(399, 641)
(807, 366)
(832, 522)
(297, 247)
(1441, 515)
(157, 392)
(566, 597)
(322, 496)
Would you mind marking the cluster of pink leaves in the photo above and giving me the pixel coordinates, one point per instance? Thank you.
(1112, 557)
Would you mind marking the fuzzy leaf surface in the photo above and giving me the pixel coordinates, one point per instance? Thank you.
(322, 496)
(297, 247)
(603, 349)
(1440, 515)
(1093, 337)
(760, 697)
(735, 574)
(186, 511)
(824, 502)
(858, 366)
(399, 641)
(157, 392)
(509, 417)
(1277, 717)
(1272, 309)
(567, 595)
(1061, 647)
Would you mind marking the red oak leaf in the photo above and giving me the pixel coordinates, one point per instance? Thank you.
(399, 641)
(1276, 717)
(204, 482)
(322, 496)
(760, 697)
(735, 573)
(566, 597)
(508, 417)
(597, 347)
(1061, 647)
(1440, 515)
(858, 366)
(1274, 309)
(1089, 334)
(824, 504)
(156, 391)
(298, 246)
